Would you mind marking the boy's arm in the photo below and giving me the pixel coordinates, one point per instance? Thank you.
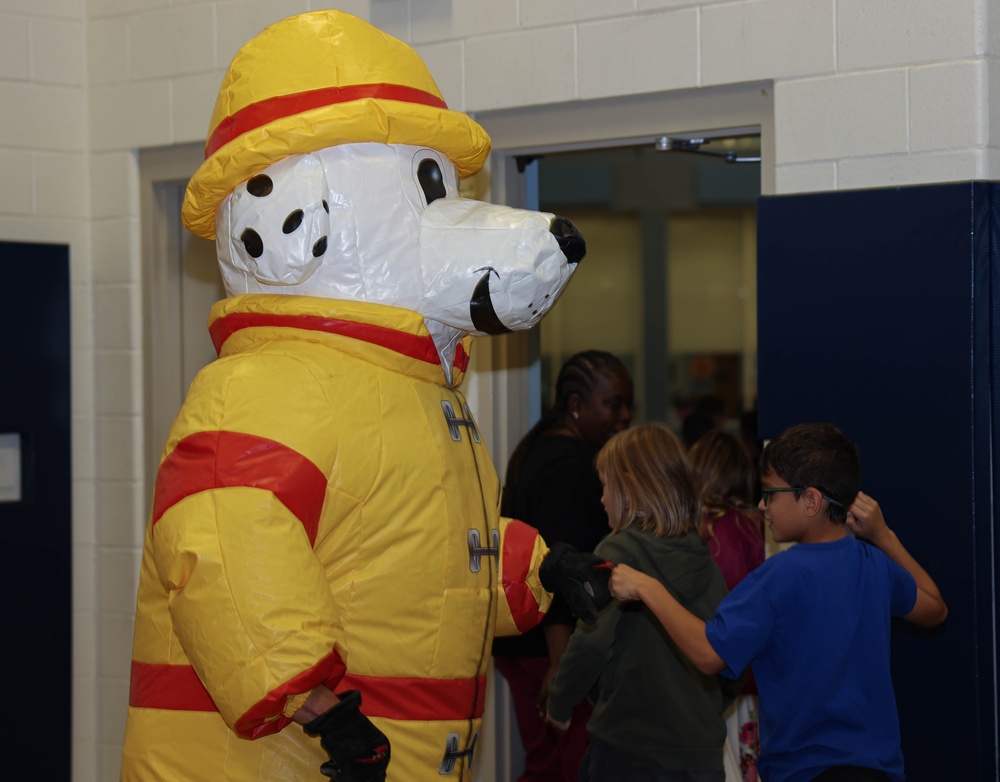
(687, 630)
(865, 520)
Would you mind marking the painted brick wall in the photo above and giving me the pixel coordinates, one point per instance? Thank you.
(866, 92)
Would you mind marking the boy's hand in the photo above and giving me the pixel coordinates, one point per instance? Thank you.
(626, 581)
(865, 519)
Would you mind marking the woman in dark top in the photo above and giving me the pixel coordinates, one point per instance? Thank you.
(552, 484)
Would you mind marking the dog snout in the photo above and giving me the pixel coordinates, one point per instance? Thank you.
(570, 239)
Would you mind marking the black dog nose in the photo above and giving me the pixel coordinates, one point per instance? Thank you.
(570, 240)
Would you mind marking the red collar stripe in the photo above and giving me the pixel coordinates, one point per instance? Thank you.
(518, 545)
(217, 460)
(258, 114)
(412, 345)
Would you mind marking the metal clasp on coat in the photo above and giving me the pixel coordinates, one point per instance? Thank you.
(453, 753)
(455, 423)
(476, 551)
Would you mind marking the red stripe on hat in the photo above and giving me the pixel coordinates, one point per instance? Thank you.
(518, 544)
(217, 460)
(412, 345)
(261, 113)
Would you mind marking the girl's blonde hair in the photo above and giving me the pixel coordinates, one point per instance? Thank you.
(648, 481)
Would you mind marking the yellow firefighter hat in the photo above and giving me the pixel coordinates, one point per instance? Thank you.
(314, 81)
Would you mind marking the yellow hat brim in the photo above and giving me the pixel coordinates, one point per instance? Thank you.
(364, 120)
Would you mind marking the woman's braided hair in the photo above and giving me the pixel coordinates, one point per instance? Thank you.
(578, 376)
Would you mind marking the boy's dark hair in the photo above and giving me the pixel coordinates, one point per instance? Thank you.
(817, 455)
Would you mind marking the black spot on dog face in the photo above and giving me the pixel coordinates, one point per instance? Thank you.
(320, 247)
(252, 242)
(292, 222)
(260, 185)
(431, 180)
(326, 206)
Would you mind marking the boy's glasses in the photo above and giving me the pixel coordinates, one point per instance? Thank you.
(768, 490)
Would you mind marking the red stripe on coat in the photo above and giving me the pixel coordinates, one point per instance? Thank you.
(518, 545)
(411, 698)
(218, 460)
(280, 106)
(173, 687)
(178, 688)
(412, 345)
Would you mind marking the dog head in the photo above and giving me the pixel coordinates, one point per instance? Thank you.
(384, 223)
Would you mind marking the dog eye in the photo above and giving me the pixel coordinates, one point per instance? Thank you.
(431, 180)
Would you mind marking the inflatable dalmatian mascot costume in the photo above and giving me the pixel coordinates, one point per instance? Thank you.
(324, 546)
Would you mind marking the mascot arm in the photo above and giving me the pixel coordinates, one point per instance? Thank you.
(523, 600)
(249, 603)
(236, 514)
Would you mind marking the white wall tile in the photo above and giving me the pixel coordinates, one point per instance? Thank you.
(121, 514)
(520, 69)
(107, 50)
(887, 33)
(444, 61)
(441, 20)
(118, 582)
(649, 5)
(240, 21)
(84, 437)
(113, 260)
(913, 169)
(638, 54)
(84, 583)
(390, 16)
(556, 12)
(97, 9)
(14, 60)
(85, 650)
(42, 117)
(993, 98)
(194, 99)
(84, 533)
(948, 107)
(117, 452)
(132, 115)
(115, 312)
(172, 42)
(766, 39)
(114, 642)
(114, 185)
(805, 178)
(840, 117)
(61, 185)
(17, 196)
(118, 383)
(83, 386)
(989, 165)
(58, 52)
(51, 9)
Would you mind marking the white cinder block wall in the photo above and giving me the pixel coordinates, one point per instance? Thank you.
(867, 93)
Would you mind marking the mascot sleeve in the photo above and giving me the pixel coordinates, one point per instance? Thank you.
(523, 600)
(235, 513)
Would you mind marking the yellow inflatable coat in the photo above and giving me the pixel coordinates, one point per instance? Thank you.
(312, 522)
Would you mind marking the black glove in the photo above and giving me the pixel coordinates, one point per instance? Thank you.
(359, 752)
(581, 578)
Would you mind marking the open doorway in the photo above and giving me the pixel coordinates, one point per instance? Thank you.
(669, 281)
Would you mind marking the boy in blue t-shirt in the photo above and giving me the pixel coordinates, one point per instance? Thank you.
(814, 619)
